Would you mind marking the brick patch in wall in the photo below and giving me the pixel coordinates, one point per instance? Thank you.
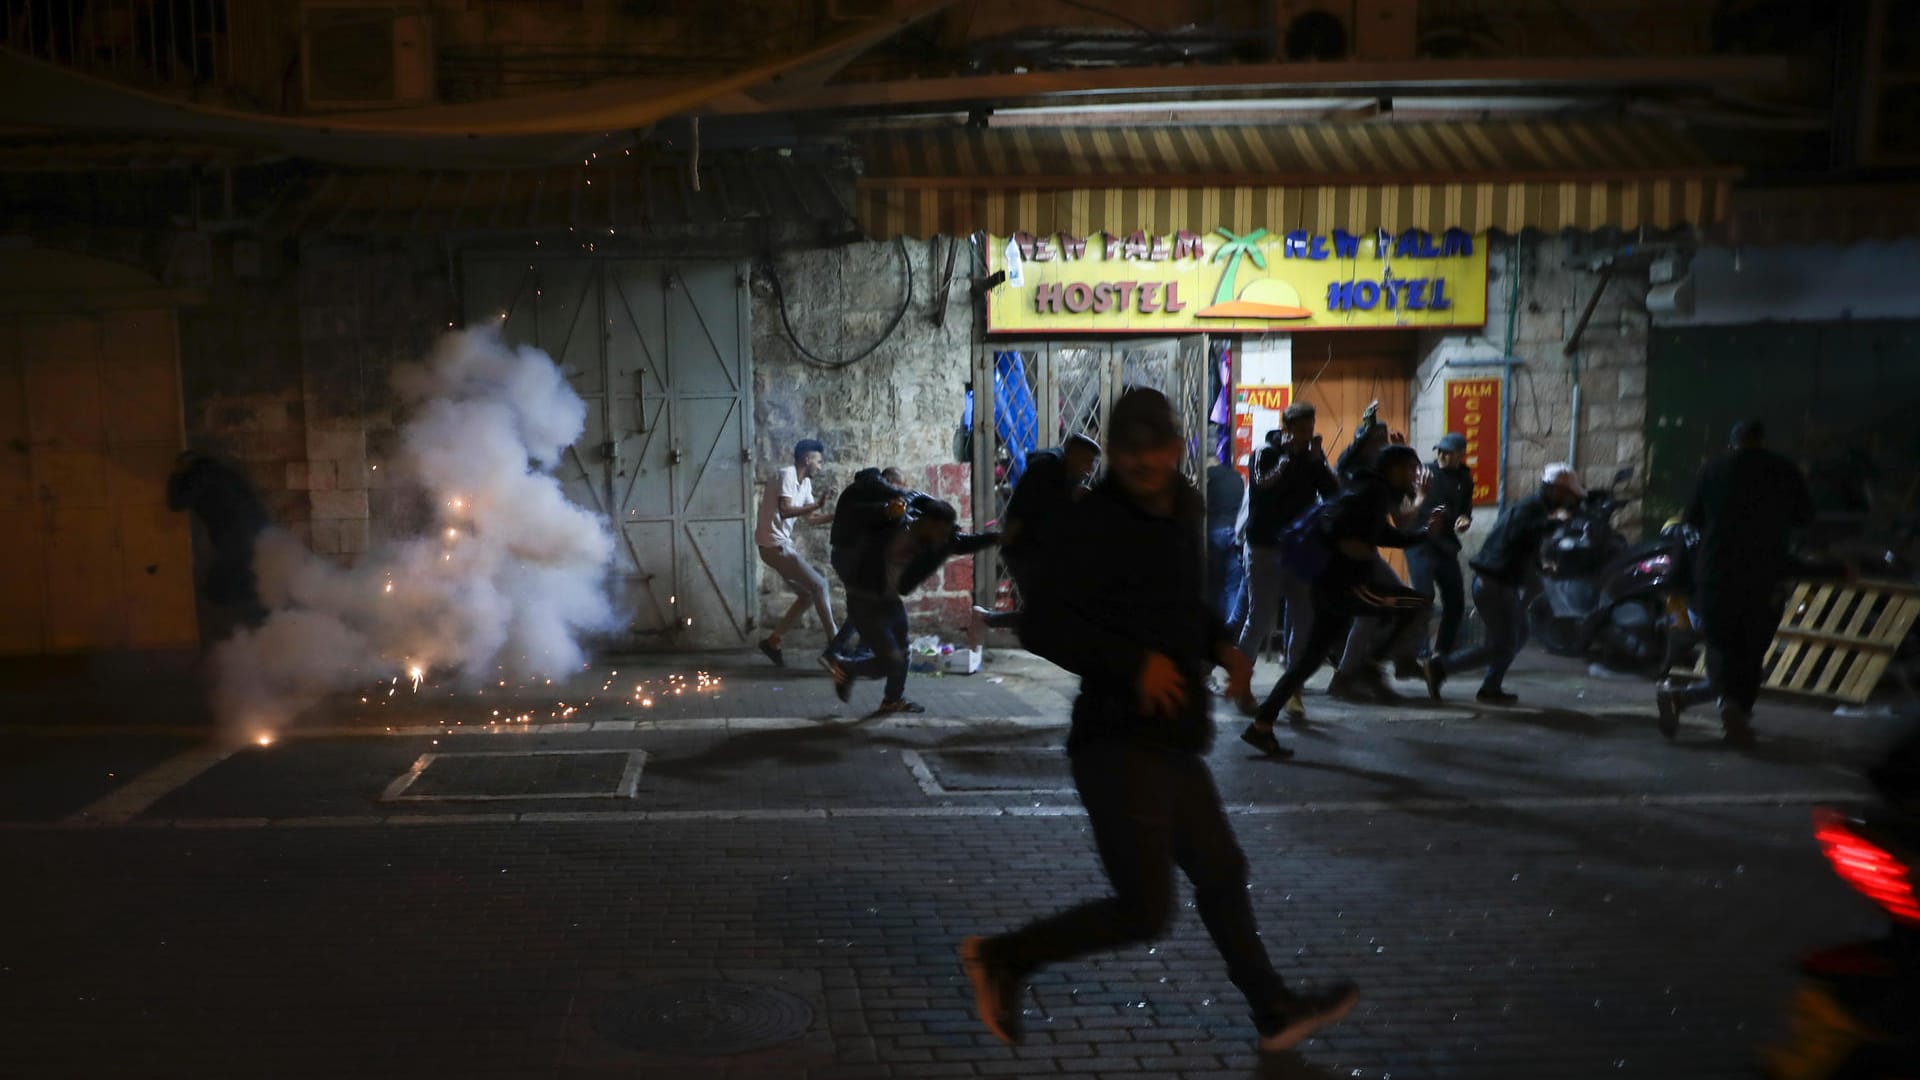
(957, 576)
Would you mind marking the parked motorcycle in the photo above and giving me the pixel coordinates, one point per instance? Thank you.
(1857, 1012)
(1597, 594)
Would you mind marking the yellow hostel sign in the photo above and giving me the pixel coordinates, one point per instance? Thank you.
(1219, 281)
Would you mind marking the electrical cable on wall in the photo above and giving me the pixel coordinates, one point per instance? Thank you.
(780, 300)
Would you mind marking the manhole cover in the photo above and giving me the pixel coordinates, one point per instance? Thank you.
(536, 774)
(704, 1018)
(1023, 769)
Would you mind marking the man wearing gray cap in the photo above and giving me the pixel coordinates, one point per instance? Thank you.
(1435, 565)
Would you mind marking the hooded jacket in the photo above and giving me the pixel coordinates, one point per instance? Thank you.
(884, 538)
(1128, 583)
(1516, 538)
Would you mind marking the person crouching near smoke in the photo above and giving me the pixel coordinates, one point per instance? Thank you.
(899, 538)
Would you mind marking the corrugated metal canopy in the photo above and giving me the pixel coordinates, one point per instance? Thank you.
(1507, 175)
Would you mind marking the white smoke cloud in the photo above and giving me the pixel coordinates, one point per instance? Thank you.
(512, 576)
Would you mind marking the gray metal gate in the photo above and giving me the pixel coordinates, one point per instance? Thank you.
(1073, 385)
(660, 351)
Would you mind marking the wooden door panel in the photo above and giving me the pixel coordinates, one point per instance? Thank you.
(156, 572)
(141, 400)
(23, 581)
(86, 600)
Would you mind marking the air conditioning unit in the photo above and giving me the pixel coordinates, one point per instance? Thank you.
(1345, 29)
(365, 54)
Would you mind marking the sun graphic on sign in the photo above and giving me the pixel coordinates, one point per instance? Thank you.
(1264, 299)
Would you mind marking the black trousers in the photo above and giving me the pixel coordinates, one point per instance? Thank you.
(882, 624)
(1739, 625)
(1336, 603)
(1152, 810)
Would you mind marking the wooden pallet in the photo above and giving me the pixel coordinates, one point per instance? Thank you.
(1835, 639)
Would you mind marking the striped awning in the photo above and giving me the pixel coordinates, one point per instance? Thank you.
(1505, 175)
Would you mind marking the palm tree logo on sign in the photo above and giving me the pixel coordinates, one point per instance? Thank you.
(1264, 299)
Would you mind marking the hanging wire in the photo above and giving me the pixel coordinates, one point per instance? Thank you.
(772, 267)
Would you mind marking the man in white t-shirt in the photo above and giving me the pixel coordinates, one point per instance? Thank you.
(789, 496)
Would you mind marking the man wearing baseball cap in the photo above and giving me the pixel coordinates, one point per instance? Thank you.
(1500, 573)
(1435, 565)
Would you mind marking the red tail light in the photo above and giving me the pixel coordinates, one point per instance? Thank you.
(1872, 870)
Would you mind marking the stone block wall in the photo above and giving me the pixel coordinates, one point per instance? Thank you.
(898, 406)
(1610, 366)
(289, 374)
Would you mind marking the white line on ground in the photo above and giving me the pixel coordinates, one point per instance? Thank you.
(368, 731)
(130, 800)
(765, 814)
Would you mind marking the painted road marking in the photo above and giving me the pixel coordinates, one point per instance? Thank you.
(132, 799)
(835, 813)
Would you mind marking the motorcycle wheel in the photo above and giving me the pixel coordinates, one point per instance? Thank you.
(1634, 638)
(1559, 636)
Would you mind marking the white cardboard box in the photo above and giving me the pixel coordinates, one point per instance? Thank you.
(963, 661)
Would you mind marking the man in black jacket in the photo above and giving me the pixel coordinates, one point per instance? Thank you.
(1351, 528)
(1358, 678)
(1295, 479)
(893, 541)
(1500, 573)
(1131, 619)
(1045, 492)
(1746, 505)
(1435, 565)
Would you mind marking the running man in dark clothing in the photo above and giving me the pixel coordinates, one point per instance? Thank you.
(1359, 678)
(1046, 491)
(1130, 618)
(1501, 570)
(1350, 529)
(896, 540)
(1746, 505)
(1296, 477)
(1435, 565)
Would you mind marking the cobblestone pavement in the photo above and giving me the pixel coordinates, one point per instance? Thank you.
(1547, 892)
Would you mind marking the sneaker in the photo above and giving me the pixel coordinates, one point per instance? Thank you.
(842, 681)
(1296, 710)
(899, 705)
(994, 991)
(773, 652)
(1302, 1015)
(1263, 740)
(1435, 673)
(1668, 702)
(1493, 695)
